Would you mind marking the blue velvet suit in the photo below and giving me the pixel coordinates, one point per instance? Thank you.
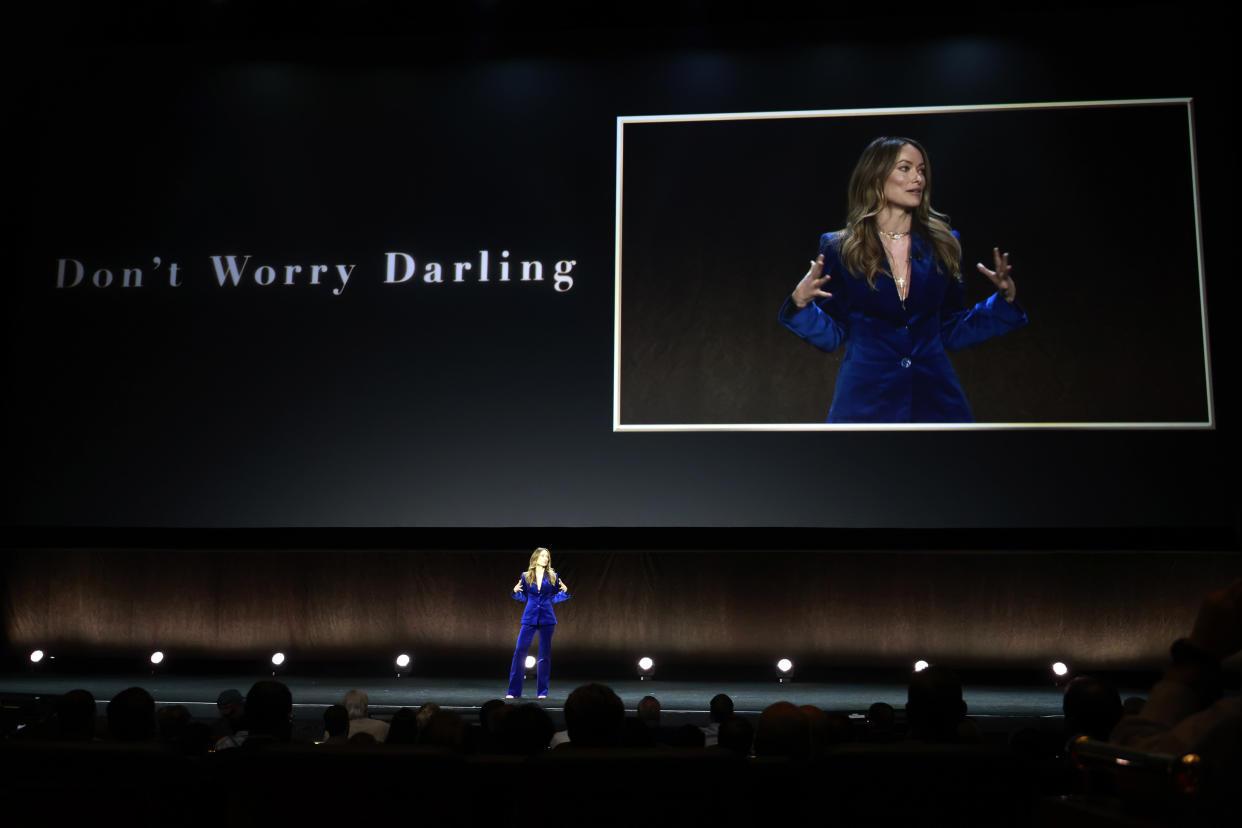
(537, 617)
(896, 367)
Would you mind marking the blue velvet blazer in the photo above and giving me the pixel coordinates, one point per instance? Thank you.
(896, 369)
(539, 602)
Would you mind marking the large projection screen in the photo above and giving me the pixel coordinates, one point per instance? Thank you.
(403, 290)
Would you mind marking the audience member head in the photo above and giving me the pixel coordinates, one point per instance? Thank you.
(721, 708)
(269, 711)
(881, 719)
(232, 707)
(649, 710)
(131, 716)
(736, 734)
(75, 713)
(525, 730)
(490, 715)
(818, 726)
(783, 731)
(1092, 706)
(1133, 705)
(357, 704)
(336, 722)
(403, 729)
(594, 716)
(425, 713)
(934, 705)
(444, 729)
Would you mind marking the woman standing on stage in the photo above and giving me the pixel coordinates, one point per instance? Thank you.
(896, 296)
(538, 588)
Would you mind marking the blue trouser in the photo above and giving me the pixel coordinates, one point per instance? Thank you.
(544, 664)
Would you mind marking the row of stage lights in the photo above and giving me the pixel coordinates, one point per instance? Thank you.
(785, 669)
(278, 661)
(646, 665)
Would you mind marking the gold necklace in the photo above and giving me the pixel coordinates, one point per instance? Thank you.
(893, 236)
(902, 291)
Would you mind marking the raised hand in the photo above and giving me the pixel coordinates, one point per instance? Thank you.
(1001, 277)
(518, 588)
(812, 285)
(564, 587)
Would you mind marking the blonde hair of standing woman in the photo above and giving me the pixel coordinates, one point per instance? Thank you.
(530, 572)
(859, 242)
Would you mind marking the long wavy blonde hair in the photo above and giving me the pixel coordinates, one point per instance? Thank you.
(530, 572)
(859, 242)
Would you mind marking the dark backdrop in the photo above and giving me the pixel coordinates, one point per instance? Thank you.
(685, 608)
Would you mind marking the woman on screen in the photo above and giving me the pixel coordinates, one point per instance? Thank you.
(896, 296)
(538, 588)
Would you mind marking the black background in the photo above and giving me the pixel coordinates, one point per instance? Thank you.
(335, 136)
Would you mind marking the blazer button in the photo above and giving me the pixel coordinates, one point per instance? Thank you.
(905, 362)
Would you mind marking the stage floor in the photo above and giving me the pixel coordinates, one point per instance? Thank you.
(993, 707)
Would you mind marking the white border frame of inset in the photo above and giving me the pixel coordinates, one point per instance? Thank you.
(1210, 423)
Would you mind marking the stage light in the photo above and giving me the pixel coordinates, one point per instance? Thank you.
(36, 656)
(784, 670)
(157, 657)
(1060, 669)
(278, 662)
(403, 662)
(530, 662)
(920, 666)
(646, 668)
